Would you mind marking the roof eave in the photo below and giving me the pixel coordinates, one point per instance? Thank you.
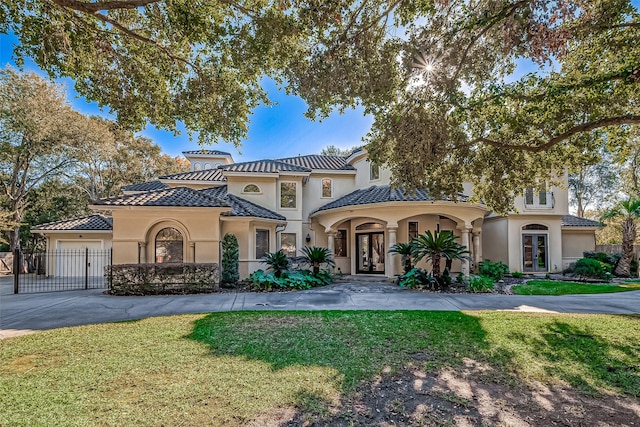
(388, 203)
(43, 231)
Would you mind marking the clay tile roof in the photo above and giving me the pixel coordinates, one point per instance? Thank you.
(203, 175)
(211, 152)
(576, 221)
(240, 206)
(265, 166)
(316, 161)
(85, 223)
(172, 197)
(380, 194)
(145, 186)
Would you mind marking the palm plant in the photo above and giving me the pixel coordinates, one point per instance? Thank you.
(405, 250)
(629, 211)
(438, 245)
(315, 257)
(277, 261)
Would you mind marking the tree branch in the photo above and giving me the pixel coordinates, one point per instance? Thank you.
(585, 127)
(81, 7)
(103, 5)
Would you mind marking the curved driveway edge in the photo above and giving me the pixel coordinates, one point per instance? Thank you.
(25, 313)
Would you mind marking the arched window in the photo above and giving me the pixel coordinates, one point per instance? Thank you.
(370, 226)
(535, 227)
(251, 188)
(197, 166)
(169, 244)
(207, 166)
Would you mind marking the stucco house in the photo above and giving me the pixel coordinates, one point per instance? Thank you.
(343, 203)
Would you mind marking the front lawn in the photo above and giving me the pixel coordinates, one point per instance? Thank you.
(265, 368)
(552, 287)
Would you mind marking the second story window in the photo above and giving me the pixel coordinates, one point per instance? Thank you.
(251, 188)
(374, 172)
(327, 187)
(288, 195)
(534, 199)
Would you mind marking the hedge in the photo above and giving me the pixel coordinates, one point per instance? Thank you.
(157, 279)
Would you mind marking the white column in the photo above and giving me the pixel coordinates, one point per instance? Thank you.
(464, 231)
(331, 241)
(391, 264)
(477, 247)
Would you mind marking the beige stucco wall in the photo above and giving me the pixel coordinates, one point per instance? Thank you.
(139, 225)
(574, 243)
(267, 196)
(362, 166)
(245, 232)
(495, 234)
(312, 191)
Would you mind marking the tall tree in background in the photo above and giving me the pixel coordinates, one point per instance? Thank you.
(591, 185)
(441, 88)
(120, 160)
(332, 150)
(40, 136)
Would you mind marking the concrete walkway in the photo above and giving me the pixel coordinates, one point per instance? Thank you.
(25, 313)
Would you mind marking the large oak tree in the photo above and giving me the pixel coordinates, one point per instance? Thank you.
(436, 74)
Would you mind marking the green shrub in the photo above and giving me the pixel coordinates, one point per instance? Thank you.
(230, 256)
(590, 268)
(495, 270)
(479, 284)
(517, 274)
(611, 259)
(413, 279)
(156, 279)
(292, 280)
(278, 262)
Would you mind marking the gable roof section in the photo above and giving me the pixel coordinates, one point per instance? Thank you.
(381, 194)
(145, 186)
(316, 161)
(85, 223)
(241, 207)
(214, 175)
(170, 197)
(576, 221)
(265, 166)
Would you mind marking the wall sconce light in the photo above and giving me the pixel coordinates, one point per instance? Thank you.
(308, 238)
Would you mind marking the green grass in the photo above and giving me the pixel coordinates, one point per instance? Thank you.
(552, 287)
(236, 368)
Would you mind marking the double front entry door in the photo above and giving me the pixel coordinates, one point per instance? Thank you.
(534, 250)
(371, 253)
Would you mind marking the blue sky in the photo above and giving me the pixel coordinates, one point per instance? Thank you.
(278, 131)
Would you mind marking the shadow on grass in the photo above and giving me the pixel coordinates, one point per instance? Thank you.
(357, 344)
(424, 368)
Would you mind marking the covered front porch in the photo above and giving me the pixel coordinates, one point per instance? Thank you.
(360, 236)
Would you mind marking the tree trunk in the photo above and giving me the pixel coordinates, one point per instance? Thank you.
(628, 237)
(436, 265)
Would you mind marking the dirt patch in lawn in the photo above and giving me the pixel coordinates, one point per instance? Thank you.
(474, 396)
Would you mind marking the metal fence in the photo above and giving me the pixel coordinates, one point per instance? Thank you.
(60, 270)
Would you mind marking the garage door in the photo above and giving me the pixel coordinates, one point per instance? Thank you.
(73, 257)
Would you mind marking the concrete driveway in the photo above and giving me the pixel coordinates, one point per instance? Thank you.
(25, 313)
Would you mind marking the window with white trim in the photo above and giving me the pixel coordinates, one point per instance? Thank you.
(288, 244)
(251, 188)
(374, 172)
(288, 195)
(327, 188)
(262, 243)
